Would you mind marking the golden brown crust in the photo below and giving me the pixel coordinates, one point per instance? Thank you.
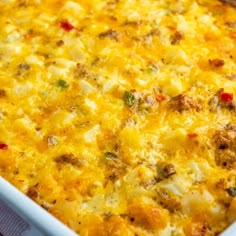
(118, 117)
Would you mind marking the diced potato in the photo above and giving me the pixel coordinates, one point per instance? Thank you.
(91, 105)
(43, 21)
(60, 119)
(91, 135)
(130, 138)
(57, 71)
(176, 138)
(173, 88)
(177, 56)
(86, 87)
(23, 89)
(196, 202)
(23, 124)
(72, 8)
(145, 173)
(32, 59)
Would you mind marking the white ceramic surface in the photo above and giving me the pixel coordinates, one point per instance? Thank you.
(41, 222)
(231, 231)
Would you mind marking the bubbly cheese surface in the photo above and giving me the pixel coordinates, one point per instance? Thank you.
(119, 116)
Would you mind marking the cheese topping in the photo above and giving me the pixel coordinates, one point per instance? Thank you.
(118, 116)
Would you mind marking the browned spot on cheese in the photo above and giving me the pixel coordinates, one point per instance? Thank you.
(147, 216)
(70, 159)
(217, 63)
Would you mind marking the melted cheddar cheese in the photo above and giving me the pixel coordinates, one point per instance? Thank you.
(118, 116)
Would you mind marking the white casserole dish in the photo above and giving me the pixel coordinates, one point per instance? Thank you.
(32, 219)
(230, 231)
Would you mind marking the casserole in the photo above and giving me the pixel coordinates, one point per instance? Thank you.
(40, 222)
(118, 117)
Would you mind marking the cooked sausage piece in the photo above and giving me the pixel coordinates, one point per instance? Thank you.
(2, 93)
(24, 66)
(111, 34)
(33, 192)
(168, 170)
(225, 140)
(81, 71)
(176, 38)
(70, 159)
(184, 103)
(217, 63)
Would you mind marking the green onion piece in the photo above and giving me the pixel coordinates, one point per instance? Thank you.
(62, 84)
(151, 69)
(110, 155)
(129, 99)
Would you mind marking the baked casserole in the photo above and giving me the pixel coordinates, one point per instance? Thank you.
(119, 116)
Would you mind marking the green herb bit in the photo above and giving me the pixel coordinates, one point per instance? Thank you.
(151, 69)
(110, 155)
(129, 99)
(62, 84)
(153, 24)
